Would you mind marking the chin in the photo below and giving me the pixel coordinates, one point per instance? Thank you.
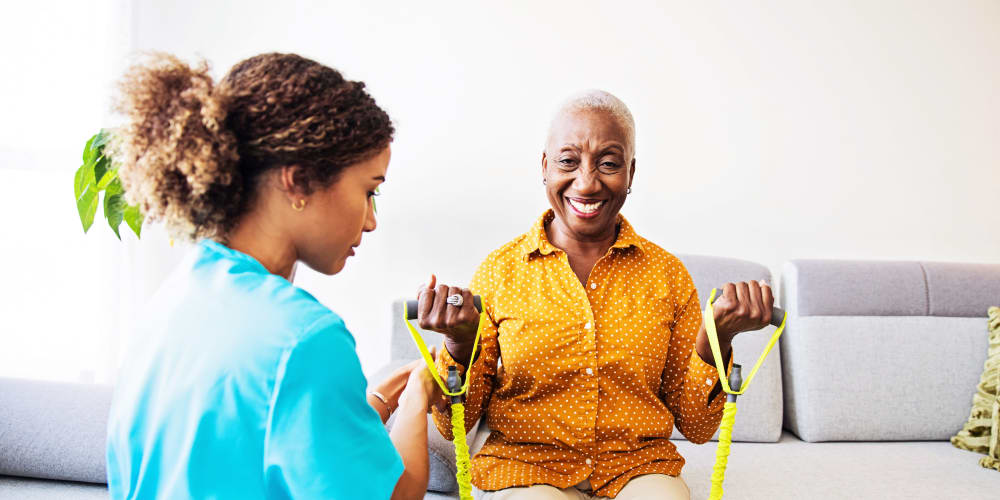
(336, 267)
(329, 269)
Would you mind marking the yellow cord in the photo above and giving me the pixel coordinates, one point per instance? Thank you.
(462, 461)
(722, 451)
(729, 410)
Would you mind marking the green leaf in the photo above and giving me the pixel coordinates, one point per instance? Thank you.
(107, 174)
(89, 153)
(101, 170)
(114, 206)
(134, 218)
(85, 193)
(86, 204)
(101, 140)
(81, 181)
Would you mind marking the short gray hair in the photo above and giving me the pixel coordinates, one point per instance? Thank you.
(595, 99)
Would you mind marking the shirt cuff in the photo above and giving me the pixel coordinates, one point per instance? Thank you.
(444, 360)
(704, 375)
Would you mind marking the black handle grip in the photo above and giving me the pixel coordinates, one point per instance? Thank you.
(777, 313)
(411, 306)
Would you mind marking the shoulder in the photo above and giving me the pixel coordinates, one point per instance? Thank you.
(503, 258)
(657, 255)
(263, 299)
(669, 268)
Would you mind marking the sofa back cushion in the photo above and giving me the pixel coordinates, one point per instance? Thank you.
(879, 351)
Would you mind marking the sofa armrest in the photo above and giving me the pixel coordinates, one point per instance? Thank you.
(53, 430)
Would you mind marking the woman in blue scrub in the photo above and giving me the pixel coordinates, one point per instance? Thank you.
(238, 383)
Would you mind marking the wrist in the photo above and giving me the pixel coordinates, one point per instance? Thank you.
(380, 405)
(459, 351)
(704, 348)
(414, 401)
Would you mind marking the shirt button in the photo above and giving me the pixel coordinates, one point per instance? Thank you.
(593, 286)
(590, 371)
(588, 461)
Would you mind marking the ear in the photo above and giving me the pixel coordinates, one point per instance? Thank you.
(290, 180)
(545, 163)
(631, 173)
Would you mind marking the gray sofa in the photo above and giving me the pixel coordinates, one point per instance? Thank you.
(875, 371)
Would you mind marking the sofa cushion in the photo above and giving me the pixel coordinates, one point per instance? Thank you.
(23, 488)
(53, 430)
(792, 469)
(853, 288)
(878, 350)
(850, 378)
(964, 290)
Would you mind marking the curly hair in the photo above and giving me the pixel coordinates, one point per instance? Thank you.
(192, 153)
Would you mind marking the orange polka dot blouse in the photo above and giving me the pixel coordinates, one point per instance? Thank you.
(585, 381)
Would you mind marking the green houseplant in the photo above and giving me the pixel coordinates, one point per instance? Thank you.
(97, 175)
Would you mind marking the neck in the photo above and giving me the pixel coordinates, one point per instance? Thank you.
(265, 242)
(576, 244)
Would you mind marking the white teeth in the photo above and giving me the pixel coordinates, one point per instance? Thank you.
(587, 208)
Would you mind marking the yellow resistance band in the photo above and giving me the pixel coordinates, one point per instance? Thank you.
(729, 409)
(722, 450)
(462, 461)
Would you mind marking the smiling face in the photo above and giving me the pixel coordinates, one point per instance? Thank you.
(588, 167)
(337, 217)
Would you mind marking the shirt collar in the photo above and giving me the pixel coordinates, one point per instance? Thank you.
(537, 241)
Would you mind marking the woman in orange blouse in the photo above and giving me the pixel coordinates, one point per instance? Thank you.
(595, 348)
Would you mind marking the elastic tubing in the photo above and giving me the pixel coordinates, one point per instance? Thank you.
(462, 461)
(722, 450)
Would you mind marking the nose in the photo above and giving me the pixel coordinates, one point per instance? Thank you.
(586, 181)
(370, 222)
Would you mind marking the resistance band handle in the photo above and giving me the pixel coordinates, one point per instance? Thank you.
(454, 383)
(735, 381)
(777, 313)
(411, 306)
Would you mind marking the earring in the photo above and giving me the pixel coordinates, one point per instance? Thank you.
(628, 191)
(543, 182)
(299, 206)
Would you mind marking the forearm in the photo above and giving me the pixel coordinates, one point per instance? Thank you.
(409, 435)
(704, 348)
(390, 388)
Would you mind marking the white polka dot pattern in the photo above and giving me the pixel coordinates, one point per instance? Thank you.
(567, 402)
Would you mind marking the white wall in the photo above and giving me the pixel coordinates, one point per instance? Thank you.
(765, 130)
(59, 287)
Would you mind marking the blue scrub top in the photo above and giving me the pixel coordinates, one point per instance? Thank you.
(241, 385)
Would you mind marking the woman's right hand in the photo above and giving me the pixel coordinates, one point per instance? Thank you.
(421, 388)
(458, 324)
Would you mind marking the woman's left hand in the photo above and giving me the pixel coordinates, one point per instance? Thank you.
(743, 307)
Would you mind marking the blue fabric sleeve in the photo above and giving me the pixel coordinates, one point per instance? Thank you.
(323, 439)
